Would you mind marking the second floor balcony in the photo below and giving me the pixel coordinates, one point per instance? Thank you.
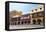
(39, 14)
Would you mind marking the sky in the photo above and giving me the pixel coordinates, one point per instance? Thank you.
(25, 8)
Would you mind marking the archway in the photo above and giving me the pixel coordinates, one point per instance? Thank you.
(22, 22)
(34, 21)
(39, 21)
(18, 23)
(28, 22)
(15, 23)
(25, 22)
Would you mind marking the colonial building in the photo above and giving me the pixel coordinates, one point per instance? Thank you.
(15, 21)
(37, 15)
(15, 17)
(25, 19)
(20, 20)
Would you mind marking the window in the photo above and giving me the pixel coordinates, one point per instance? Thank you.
(40, 14)
(40, 8)
(35, 9)
(34, 15)
(32, 10)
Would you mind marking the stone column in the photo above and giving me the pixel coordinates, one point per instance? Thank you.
(31, 21)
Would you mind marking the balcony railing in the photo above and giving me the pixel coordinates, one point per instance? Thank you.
(39, 14)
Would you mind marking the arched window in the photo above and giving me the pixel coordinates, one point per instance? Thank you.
(32, 10)
(40, 8)
(35, 9)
